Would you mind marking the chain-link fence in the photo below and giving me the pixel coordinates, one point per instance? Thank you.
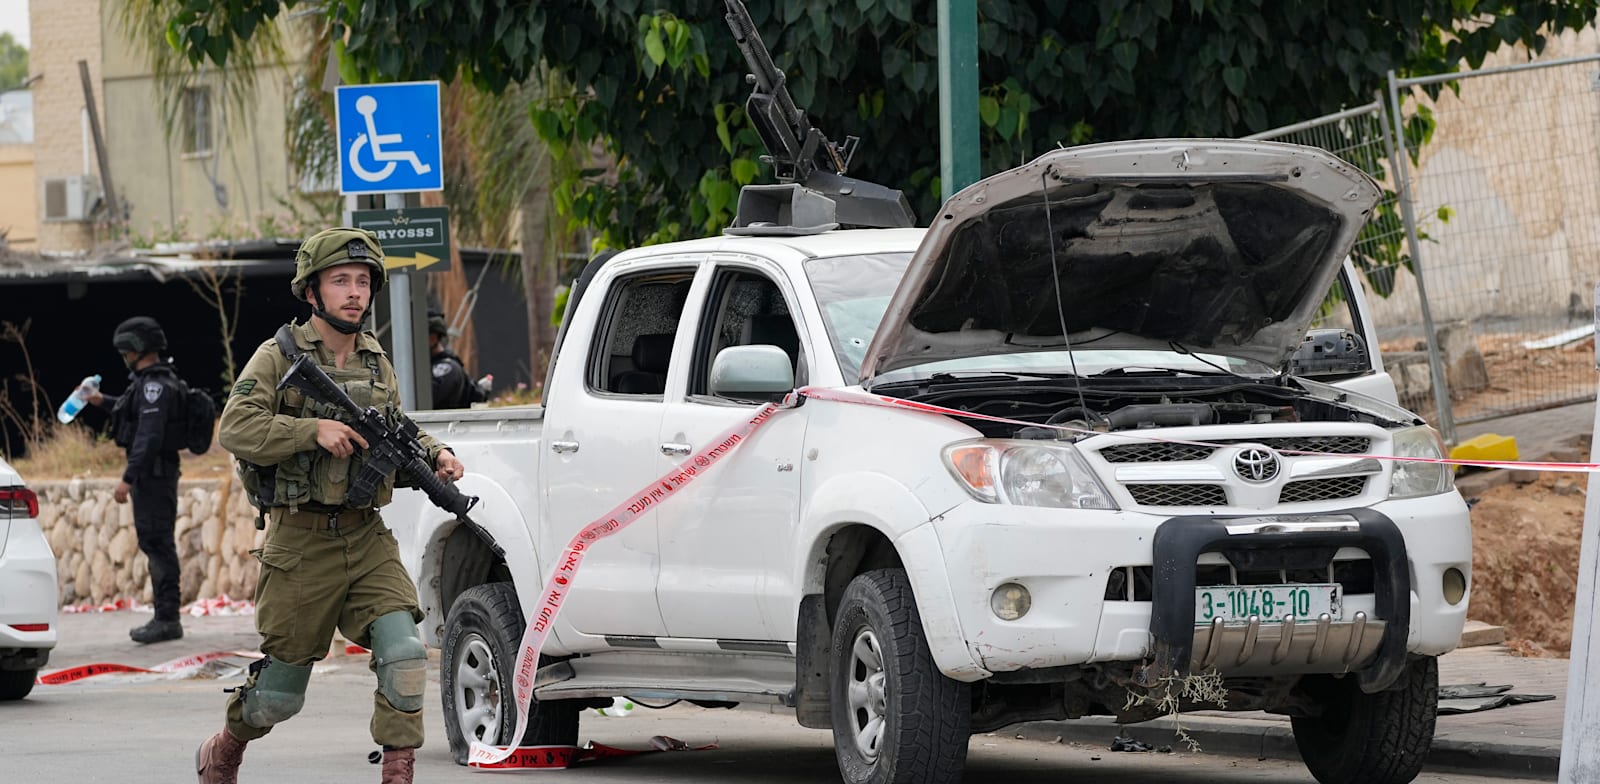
(1493, 196)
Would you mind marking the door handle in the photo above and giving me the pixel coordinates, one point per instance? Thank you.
(564, 447)
(676, 450)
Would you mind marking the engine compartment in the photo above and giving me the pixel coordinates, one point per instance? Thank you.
(1063, 408)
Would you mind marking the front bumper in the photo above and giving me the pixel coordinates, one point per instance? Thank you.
(1064, 557)
(1282, 542)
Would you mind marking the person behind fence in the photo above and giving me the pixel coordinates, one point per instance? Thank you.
(145, 421)
(324, 564)
(452, 388)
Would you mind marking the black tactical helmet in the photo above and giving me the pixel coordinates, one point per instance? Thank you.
(436, 324)
(140, 334)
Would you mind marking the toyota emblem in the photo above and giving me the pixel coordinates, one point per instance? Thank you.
(1256, 464)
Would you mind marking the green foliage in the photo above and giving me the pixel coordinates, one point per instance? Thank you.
(13, 62)
(657, 85)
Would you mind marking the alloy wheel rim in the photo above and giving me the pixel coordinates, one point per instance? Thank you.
(867, 696)
(477, 691)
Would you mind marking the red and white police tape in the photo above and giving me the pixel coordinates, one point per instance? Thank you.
(555, 590)
(176, 668)
(560, 583)
(217, 605)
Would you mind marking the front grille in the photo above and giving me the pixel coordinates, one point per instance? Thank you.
(1177, 495)
(1154, 453)
(1307, 490)
(1330, 445)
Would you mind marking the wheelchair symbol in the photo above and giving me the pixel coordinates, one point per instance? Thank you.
(366, 105)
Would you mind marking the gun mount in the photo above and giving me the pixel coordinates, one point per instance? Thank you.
(806, 161)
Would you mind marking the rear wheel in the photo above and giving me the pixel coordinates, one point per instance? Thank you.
(476, 660)
(16, 684)
(1365, 738)
(896, 718)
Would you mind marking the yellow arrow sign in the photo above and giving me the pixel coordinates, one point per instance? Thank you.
(420, 261)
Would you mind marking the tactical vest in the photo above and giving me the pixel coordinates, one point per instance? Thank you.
(315, 477)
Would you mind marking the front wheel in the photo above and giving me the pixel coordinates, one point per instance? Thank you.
(476, 659)
(896, 718)
(1365, 738)
(16, 684)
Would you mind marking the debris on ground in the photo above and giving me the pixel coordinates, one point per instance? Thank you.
(1127, 743)
(1474, 697)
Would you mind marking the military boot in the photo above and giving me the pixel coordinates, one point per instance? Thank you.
(397, 766)
(217, 760)
(156, 631)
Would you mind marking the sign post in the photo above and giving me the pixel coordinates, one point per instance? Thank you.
(390, 144)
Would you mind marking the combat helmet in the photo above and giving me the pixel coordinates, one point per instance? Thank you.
(330, 248)
(140, 334)
(436, 323)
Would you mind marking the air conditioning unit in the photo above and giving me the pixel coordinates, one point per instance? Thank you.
(70, 198)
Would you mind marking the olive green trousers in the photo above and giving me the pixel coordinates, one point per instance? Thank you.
(316, 579)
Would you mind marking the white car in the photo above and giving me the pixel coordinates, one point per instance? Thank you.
(27, 588)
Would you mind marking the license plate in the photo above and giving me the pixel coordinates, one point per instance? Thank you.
(1270, 603)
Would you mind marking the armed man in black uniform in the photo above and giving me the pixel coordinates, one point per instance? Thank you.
(451, 386)
(142, 419)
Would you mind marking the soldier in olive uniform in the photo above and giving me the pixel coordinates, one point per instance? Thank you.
(143, 421)
(324, 565)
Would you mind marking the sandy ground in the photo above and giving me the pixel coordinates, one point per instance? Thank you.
(1526, 536)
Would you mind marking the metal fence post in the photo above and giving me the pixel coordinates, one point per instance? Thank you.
(1399, 162)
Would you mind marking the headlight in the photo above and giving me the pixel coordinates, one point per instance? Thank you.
(1026, 473)
(1411, 479)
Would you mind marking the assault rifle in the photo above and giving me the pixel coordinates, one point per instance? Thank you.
(798, 151)
(391, 447)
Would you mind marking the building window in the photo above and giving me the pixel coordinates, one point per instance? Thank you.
(197, 121)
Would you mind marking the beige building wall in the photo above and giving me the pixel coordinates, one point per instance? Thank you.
(63, 32)
(230, 191)
(19, 206)
(1515, 159)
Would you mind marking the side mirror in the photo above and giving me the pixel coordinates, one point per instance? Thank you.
(1330, 353)
(752, 373)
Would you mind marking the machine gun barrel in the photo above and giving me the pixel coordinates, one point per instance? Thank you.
(391, 448)
(795, 148)
(765, 74)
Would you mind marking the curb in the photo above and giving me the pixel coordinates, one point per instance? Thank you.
(1272, 739)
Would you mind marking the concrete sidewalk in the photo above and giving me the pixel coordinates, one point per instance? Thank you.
(1518, 740)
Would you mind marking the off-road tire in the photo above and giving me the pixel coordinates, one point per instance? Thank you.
(1365, 738)
(16, 684)
(926, 717)
(487, 621)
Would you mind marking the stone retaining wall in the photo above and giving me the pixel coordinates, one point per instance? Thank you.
(97, 552)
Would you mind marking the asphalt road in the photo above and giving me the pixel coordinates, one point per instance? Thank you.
(143, 729)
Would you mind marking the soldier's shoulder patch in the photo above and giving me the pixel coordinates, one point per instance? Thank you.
(152, 391)
(244, 387)
(441, 369)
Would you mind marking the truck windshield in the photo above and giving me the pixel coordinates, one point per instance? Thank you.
(853, 293)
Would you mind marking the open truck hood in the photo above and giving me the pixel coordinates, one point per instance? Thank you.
(1219, 246)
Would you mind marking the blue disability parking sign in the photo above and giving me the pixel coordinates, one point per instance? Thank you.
(389, 138)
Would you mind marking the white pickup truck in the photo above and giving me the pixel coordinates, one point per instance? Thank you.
(1173, 500)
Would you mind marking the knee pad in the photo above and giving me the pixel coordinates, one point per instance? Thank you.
(277, 691)
(400, 659)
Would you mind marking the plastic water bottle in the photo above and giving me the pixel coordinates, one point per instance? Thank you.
(78, 399)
